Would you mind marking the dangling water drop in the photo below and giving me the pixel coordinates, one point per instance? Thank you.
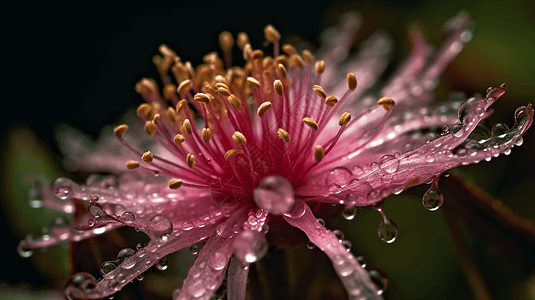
(339, 234)
(140, 277)
(380, 279)
(161, 227)
(249, 246)
(194, 249)
(349, 212)
(321, 222)
(79, 284)
(274, 194)
(347, 244)
(162, 264)
(23, 250)
(388, 230)
(433, 198)
(361, 260)
(310, 245)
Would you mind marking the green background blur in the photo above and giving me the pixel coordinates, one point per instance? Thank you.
(77, 64)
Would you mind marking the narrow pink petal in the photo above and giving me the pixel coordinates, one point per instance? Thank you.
(237, 280)
(354, 278)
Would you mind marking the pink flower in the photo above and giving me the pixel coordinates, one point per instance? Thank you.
(266, 141)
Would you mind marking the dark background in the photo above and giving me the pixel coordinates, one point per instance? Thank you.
(77, 64)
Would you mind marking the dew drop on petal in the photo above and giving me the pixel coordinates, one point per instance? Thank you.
(388, 230)
(128, 217)
(339, 176)
(162, 264)
(347, 244)
(274, 194)
(433, 198)
(339, 234)
(63, 187)
(79, 284)
(124, 254)
(297, 210)
(107, 267)
(349, 212)
(160, 226)
(389, 164)
(361, 260)
(499, 129)
(249, 246)
(321, 222)
(310, 245)
(380, 279)
(218, 261)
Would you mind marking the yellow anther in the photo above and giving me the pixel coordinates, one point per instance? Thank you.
(253, 82)
(132, 164)
(271, 34)
(150, 127)
(257, 54)
(344, 119)
(184, 86)
(268, 62)
(186, 127)
(232, 152)
(386, 102)
(234, 101)
(171, 114)
(284, 135)
(180, 106)
(156, 118)
(319, 90)
(247, 52)
(175, 183)
(166, 51)
(144, 110)
(120, 130)
(263, 108)
(297, 61)
(282, 59)
(226, 41)
(239, 138)
(331, 101)
(288, 49)
(190, 159)
(242, 40)
(281, 71)
(179, 139)
(319, 66)
(310, 123)
(223, 92)
(206, 134)
(307, 56)
(221, 84)
(147, 157)
(318, 153)
(168, 91)
(351, 81)
(201, 97)
(278, 87)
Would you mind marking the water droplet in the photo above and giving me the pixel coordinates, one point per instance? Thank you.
(519, 113)
(79, 284)
(297, 210)
(274, 194)
(63, 187)
(194, 249)
(433, 198)
(34, 198)
(349, 212)
(446, 174)
(380, 279)
(499, 129)
(456, 129)
(335, 188)
(140, 277)
(339, 176)
(361, 260)
(162, 264)
(124, 254)
(128, 217)
(218, 261)
(249, 246)
(310, 245)
(518, 141)
(339, 234)
(388, 230)
(389, 164)
(24, 250)
(347, 245)
(160, 226)
(321, 222)
(107, 267)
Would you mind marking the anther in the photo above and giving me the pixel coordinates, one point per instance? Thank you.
(206, 134)
(147, 157)
(201, 97)
(319, 90)
(284, 135)
(271, 34)
(318, 153)
(331, 101)
(282, 59)
(308, 57)
(220, 79)
(179, 139)
(297, 61)
(190, 159)
(120, 130)
(310, 123)
(234, 101)
(184, 86)
(180, 106)
(166, 51)
(278, 87)
(239, 138)
(150, 127)
(168, 91)
(226, 41)
(257, 54)
(156, 118)
(175, 183)
(242, 40)
(281, 71)
(171, 114)
(386, 102)
(351, 81)
(221, 84)
(232, 152)
(132, 165)
(319, 67)
(144, 110)
(288, 49)
(186, 127)
(247, 52)
(223, 92)
(263, 108)
(253, 82)
(268, 62)
(344, 119)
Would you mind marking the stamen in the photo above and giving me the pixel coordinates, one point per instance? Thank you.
(132, 165)
(319, 67)
(318, 153)
(247, 52)
(150, 128)
(144, 110)
(331, 101)
(206, 134)
(263, 108)
(232, 152)
(282, 59)
(201, 97)
(170, 113)
(184, 86)
(386, 102)
(253, 82)
(186, 127)
(234, 101)
(242, 40)
(179, 139)
(180, 106)
(319, 90)
(190, 159)
(344, 119)
(271, 34)
(147, 157)
(288, 49)
(156, 119)
(120, 130)
(351, 81)
(278, 87)
(175, 183)
(310, 123)
(239, 138)
(223, 92)
(281, 72)
(283, 135)
(297, 61)
(307, 56)
(226, 41)
(257, 54)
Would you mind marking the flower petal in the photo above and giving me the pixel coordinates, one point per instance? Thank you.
(237, 280)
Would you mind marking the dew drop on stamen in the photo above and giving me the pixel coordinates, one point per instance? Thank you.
(433, 198)
(349, 212)
(160, 226)
(380, 279)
